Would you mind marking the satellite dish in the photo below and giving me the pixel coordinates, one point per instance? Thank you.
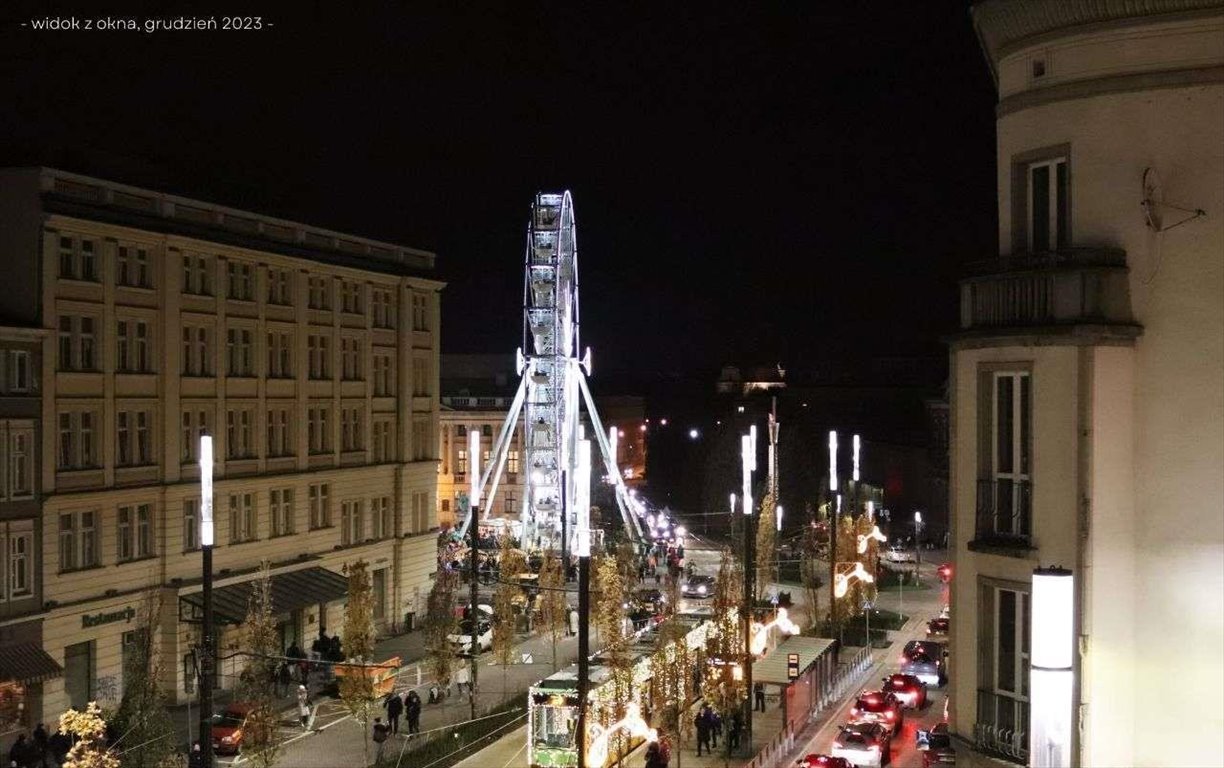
(1153, 199)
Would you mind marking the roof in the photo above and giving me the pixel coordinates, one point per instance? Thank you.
(290, 591)
(772, 667)
(27, 663)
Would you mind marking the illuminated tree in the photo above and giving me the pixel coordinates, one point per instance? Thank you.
(440, 623)
(554, 608)
(146, 733)
(261, 742)
(512, 564)
(357, 683)
(88, 732)
(671, 676)
(766, 546)
(722, 678)
(870, 555)
(610, 620)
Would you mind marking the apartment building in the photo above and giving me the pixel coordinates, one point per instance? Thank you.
(1087, 386)
(310, 356)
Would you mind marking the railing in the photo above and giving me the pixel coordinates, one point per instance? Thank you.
(776, 750)
(1079, 257)
(1004, 510)
(1001, 727)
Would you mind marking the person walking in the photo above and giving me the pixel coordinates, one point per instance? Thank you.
(196, 758)
(303, 699)
(41, 745)
(463, 677)
(395, 707)
(413, 707)
(733, 735)
(758, 691)
(703, 732)
(716, 728)
(380, 733)
(284, 678)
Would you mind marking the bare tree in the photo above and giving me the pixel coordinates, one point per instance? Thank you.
(261, 741)
(440, 623)
(554, 608)
(146, 733)
(512, 563)
(357, 683)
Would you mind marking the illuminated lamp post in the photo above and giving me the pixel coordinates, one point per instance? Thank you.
(1052, 676)
(474, 527)
(748, 462)
(582, 548)
(832, 527)
(207, 659)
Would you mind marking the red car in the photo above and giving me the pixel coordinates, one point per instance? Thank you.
(909, 690)
(823, 761)
(227, 729)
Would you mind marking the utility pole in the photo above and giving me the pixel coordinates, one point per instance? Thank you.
(474, 532)
(748, 460)
(207, 657)
(582, 547)
(832, 521)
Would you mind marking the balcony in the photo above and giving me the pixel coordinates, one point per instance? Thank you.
(1004, 517)
(1042, 293)
(1001, 727)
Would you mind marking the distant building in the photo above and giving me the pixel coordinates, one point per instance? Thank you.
(1087, 382)
(310, 356)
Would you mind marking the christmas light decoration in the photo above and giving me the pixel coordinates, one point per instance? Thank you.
(864, 538)
(760, 632)
(841, 583)
(632, 723)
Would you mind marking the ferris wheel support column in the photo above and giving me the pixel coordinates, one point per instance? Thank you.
(631, 521)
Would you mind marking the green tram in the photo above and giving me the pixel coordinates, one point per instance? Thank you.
(552, 703)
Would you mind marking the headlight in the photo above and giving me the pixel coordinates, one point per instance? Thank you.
(227, 739)
(701, 590)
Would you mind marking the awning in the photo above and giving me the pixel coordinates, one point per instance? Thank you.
(290, 591)
(772, 668)
(27, 663)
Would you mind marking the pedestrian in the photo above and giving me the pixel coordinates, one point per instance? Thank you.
(380, 732)
(654, 756)
(395, 707)
(19, 753)
(303, 699)
(196, 758)
(413, 707)
(717, 730)
(703, 732)
(60, 744)
(737, 723)
(41, 745)
(463, 677)
(758, 691)
(283, 679)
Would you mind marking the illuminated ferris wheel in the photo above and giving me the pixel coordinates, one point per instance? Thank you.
(553, 386)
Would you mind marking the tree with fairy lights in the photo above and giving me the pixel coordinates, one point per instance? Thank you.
(671, 689)
(357, 684)
(609, 609)
(554, 608)
(766, 545)
(88, 733)
(722, 682)
(512, 564)
(440, 623)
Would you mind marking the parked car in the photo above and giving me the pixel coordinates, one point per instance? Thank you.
(462, 641)
(896, 553)
(936, 746)
(649, 596)
(878, 707)
(938, 627)
(908, 689)
(864, 744)
(227, 728)
(823, 761)
(699, 587)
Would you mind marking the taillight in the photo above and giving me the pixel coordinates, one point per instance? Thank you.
(853, 711)
(890, 715)
(837, 745)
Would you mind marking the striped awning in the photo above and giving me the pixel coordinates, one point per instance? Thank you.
(290, 591)
(27, 663)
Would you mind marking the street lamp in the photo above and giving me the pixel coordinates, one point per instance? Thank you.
(693, 434)
(207, 660)
(748, 462)
(778, 515)
(582, 548)
(474, 527)
(1052, 675)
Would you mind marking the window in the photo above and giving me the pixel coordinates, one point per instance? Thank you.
(380, 517)
(78, 540)
(132, 267)
(78, 259)
(420, 512)
(1004, 497)
(320, 505)
(281, 511)
(241, 517)
(460, 464)
(1049, 216)
(77, 343)
(20, 548)
(279, 442)
(16, 460)
(350, 297)
(512, 462)
(350, 429)
(239, 344)
(239, 281)
(18, 370)
(420, 377)
(511, 504)
(133, 438)
(196, 424)
(319, 292)
(239, 434)
(351, 522)
(77, 449)
(382, 374)
(350, 358)
(318, 352)
(280, 353)
(197, 351)
(421, 448)
(191, 525)
(132, 350)
(135, 531)
(197, 275)
(378, 590)
(1003, 662)
(280, 287)
(318, 429)
(384, 448)
(486, 430)
(382, 302)
(420, 312)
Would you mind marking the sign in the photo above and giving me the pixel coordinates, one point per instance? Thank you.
(98, 619)
(792, 666)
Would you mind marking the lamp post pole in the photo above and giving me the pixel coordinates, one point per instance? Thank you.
(832, 501)
(474, 533)
(207, 658)
(582, 547)
(748, 460)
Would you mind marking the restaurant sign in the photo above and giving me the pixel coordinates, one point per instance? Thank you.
(98, 619)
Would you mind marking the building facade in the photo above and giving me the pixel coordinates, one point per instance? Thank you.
(1087, 381)
(310, 356)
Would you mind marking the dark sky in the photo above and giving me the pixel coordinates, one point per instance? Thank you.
(753, 181)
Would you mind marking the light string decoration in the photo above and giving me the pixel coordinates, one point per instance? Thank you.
(632, 722)
(760, 632)
(841, 583)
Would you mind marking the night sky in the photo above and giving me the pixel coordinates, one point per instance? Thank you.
(752, 183)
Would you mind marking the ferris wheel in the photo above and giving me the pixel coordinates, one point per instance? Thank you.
(553, 386)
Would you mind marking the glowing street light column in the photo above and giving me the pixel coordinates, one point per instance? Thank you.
(207, 659)
(474, 528)
(832, 521)
(1052, 676)
(582, 548)
(748, 462)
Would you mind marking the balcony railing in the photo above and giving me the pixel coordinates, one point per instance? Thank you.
(1002, 725)
(1004, 511)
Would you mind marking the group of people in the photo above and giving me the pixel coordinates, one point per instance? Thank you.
(710, 728)
(40, 749)
(407, 704)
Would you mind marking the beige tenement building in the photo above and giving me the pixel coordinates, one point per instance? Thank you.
(311, 357)
(1087, 383)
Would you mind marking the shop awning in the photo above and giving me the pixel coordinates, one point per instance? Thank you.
(772, 667)
(27, 663)
(290, 591)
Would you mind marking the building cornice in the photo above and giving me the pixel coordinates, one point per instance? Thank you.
(1139, 81)
(1070, 335)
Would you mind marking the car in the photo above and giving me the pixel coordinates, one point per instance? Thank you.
(927, 669)
(897, 553)
(936, 746)
(909, 690)
(938, 627)
(823, 761)
(864, 744)
(878, 707)
(462, 640)
(945, 572)
(227, 728)
(928, 647)
(699, 587)
(649, 596)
